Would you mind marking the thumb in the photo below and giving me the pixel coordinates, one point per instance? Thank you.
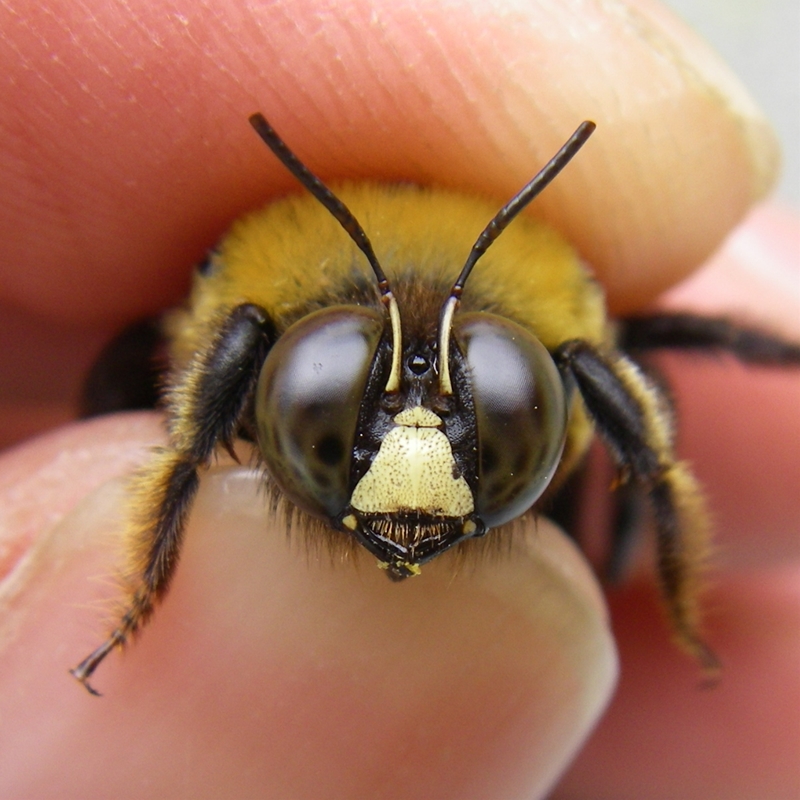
(275, 668)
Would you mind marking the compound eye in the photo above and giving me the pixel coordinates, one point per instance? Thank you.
(520, 412)
(307, 404)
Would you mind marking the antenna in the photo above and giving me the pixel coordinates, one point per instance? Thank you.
(328, 199)
(522, 198)
(495, 227)
(351, 225)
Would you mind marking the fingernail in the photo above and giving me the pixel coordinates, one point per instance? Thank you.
(704, 72)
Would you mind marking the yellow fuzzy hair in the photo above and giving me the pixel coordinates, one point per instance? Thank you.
(293, 251)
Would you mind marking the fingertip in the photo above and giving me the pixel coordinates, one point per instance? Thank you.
(679, 156)
(288, 671)
(753, 276)
(737, 738)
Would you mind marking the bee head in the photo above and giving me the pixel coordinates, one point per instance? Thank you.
(411, 443)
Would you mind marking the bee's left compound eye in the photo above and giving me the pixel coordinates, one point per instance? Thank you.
(307, 404)
(520, 413)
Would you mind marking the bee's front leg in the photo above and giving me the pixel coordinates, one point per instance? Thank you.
(205, 405)
(636, 422)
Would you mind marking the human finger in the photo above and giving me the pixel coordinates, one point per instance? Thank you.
(131, 148)
(274, 668)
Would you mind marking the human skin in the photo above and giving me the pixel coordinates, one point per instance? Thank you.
(269, 672)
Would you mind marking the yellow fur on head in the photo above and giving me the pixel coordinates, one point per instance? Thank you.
(293, 251)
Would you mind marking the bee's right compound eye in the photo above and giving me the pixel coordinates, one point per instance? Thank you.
(307, 404)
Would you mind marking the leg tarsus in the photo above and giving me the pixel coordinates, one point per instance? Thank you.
(89, 664)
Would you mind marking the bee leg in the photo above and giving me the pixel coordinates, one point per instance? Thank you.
(681, 331)
(612, 553)
(625, 526)
(205, 406)
(127, 373)
(685, 332)
(635, 422)
(564, 507)
(688, 333)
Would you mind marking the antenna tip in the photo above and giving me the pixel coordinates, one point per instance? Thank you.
(258, 120)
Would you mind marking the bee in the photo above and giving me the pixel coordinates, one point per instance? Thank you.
(414, 402)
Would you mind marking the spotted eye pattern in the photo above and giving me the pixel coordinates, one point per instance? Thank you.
(520, 413)
(307, 404)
